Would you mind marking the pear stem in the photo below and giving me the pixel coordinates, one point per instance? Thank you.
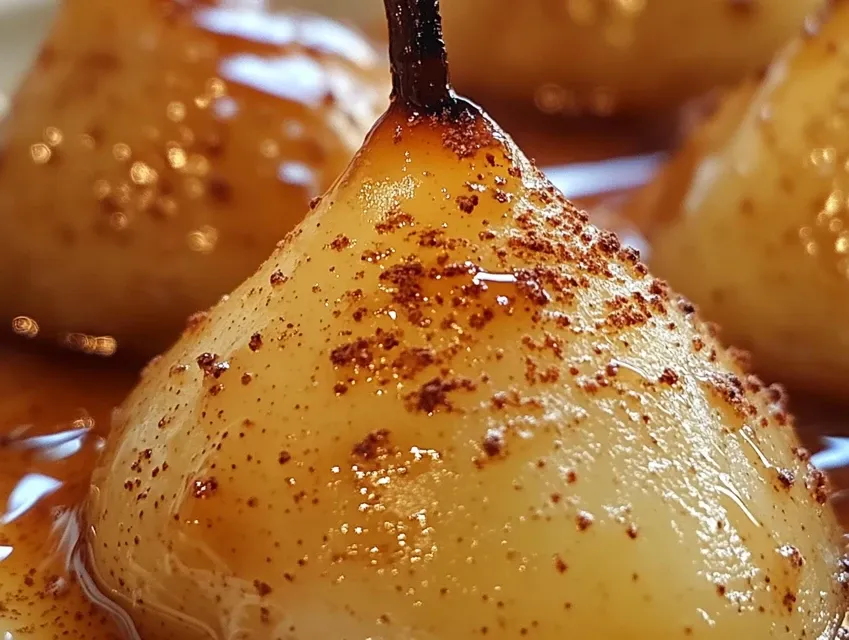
(417, 55)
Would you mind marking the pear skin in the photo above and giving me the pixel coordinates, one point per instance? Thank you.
(447, 407)
(156, 152)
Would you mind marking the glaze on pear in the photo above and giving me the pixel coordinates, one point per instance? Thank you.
(448, 407)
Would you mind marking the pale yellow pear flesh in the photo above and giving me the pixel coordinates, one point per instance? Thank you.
(755, 222)
(158, 149)
(447, 407)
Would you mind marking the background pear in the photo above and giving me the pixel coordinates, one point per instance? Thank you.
(446, 407)
(751, 222)
(600, 56)
(158, 149)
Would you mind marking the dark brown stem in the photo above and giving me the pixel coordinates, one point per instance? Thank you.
(417, 55)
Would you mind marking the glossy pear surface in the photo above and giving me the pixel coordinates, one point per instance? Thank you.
(158, 149)
(448, 407)
(756, 229)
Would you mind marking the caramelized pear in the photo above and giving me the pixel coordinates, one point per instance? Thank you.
(753, 214)
(449, 407)
(157, 150)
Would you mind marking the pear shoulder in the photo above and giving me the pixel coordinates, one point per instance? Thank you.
(447, 403)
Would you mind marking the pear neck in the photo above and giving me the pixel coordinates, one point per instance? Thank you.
(417, 55)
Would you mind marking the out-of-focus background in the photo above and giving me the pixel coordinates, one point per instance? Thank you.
(24, 23)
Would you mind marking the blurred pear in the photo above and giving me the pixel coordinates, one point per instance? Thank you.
(600, 56)
(159, 148)
(750, 220)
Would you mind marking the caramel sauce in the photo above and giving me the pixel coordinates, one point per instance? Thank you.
(54, 412)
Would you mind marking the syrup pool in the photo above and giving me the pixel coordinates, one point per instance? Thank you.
(53, 416)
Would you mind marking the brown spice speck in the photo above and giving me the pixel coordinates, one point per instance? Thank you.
(356, 353)
(262, 588)
(584, 520)
(467, 204)
(207, 361)
(394, 220)
(255, 343)
(372, 446)
(792, 554)
(206, 488)
(433, 395)
(560, 565)
(730, 388)
(668, 377)
(493, 443)
(817, 484)
(465, 134)
(789, 600)
(786, 477)
(219, 369)
(340, 243)
(277, 278)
